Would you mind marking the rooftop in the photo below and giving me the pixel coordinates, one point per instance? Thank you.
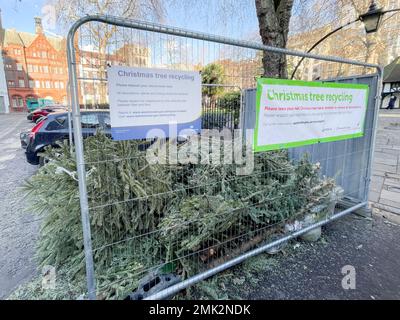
(392, 71)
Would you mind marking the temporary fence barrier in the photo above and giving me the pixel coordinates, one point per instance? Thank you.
(147, 224)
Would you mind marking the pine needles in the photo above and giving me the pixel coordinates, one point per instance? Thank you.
(147, 215)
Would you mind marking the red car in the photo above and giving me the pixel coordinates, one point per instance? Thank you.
(43, 112)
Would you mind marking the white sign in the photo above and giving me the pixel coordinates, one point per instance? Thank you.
(147, 102)
(293, 113)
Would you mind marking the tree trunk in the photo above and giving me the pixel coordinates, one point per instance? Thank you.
(273, 19)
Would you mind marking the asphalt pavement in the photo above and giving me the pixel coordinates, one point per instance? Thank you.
(18, 227)
(315, 270)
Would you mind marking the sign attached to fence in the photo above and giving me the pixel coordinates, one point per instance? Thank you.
(147, 103)
(292, 113)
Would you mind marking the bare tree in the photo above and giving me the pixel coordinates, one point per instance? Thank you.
(273, 23)
(68, 11)
(99, 35)
(273, 19)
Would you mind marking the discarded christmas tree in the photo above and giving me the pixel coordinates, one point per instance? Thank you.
(181, 217)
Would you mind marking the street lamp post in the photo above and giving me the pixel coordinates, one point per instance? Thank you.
(371, 20)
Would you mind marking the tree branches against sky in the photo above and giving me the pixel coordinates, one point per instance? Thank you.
(238, 18)
(233, 18)
(311, 14)
(68, 11)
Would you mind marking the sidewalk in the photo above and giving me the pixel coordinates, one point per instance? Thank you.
(314, 270)
(385, 183)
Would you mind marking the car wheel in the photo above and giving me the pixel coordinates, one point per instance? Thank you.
(43, 161)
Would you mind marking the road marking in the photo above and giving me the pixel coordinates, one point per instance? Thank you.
(10, 143)
(8, 130)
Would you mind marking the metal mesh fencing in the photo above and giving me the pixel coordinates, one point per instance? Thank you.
(207, 200)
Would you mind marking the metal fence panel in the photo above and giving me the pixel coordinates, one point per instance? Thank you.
(142, 221)
(346, 160)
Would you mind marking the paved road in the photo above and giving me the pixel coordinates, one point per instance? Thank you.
(18, 228)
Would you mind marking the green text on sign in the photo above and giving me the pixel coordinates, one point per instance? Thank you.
(293, 113)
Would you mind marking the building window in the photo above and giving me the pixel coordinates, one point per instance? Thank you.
(11, 83)
(17, 52)
(21, 83)
(60, 71)
(17, 102)
(35, 68)
(9, 66)
(37, 83)
(56, 85)
(47, 84)
(45, 69)
(44, 54)
(31, 84)
(61, 85)
(30, 68)
(19, 66)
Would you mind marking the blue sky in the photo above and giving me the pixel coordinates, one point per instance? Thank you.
(19, 14)
(239, 23)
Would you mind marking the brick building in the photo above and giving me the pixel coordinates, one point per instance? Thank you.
(35, 66)
(92, 70)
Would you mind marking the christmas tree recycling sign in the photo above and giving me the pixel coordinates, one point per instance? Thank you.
(292, 113)
(149, 102)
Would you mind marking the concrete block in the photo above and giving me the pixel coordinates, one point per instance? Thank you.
(384, 168)
(392, 217)
(391, 196)
(389, 203)
(384, 207)
(389, 150)
(392, 182)
(390, 160)
(392, 188)
(392, 175)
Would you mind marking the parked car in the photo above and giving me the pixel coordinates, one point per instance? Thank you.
(42, 112)
(54, 127)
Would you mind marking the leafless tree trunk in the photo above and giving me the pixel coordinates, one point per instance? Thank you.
(273, 19)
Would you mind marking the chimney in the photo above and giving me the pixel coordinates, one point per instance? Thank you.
(38, 25)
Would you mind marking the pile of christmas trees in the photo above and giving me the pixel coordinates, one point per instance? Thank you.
(180, 217)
